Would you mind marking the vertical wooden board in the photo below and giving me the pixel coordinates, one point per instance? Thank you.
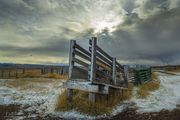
(71, 56)
(114, 71)
(93, 59)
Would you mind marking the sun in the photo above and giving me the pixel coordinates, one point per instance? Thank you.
(110, 24)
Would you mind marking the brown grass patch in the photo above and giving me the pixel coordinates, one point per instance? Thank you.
(29, 75)
(26, 82)
(145, 89)
(174, 70)
(57, 76)
(103, 104)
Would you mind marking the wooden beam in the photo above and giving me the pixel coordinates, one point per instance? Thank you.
(114, 71)
(93, 60)
(82, 55)
(92, 97)
(82, 49)
(104, 58)
(71, 56)
(80, 62)
(126, 74)
(85, 86)
(104, 53)
(71, 64)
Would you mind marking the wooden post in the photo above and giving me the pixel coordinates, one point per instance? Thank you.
(92, 97)
(114, 71)
(23, 70)
(16, 73)
(126, 74)
(93, 59)
(71, 64)
(9, 74)
(1, 74)
(92, 74)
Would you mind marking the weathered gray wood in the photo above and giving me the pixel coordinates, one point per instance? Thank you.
(71, 64)
(119, 66)
(104, 58)
(71, 56)
(70, 94)
(80, 62)
(104, 65)
(93, 60)
(126, 74)
(104, 53)
(85, 86)
(82, 55)
(79, 73)
(104, 74)
(109, 85)
(114, 71)
(82, 49)
(92, 97)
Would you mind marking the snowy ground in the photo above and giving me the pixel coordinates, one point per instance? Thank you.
(167, 97)
(38, 96)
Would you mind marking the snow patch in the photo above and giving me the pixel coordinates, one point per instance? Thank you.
(166, 97)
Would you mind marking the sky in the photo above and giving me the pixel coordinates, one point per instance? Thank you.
(133, 31)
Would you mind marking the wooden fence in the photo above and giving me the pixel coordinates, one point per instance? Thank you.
(138, 76)
(94, 70)
(7, 73)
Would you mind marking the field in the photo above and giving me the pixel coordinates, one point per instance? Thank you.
(36, 98)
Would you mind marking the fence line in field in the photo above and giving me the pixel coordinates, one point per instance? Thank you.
(6, 73)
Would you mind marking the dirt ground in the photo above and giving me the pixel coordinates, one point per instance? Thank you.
(162, 115)
(10, 112)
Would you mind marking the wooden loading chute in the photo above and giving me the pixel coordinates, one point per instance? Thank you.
(94, 70)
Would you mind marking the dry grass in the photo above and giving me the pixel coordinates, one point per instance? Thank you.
(103, 104)
(29, 75)
(26, 82)
(57, 76)
(145, 89)
(174, 70)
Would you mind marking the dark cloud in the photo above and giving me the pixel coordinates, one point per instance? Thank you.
(155, 38)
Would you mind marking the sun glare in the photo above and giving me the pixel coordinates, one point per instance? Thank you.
(99, 25)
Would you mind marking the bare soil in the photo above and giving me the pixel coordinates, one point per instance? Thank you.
(130, 114)
(11, 112)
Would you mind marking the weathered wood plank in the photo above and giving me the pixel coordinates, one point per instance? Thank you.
(93, 60)
(71, 55)
(80, 62)
(82, 49)
(114, 71)
(104, 53)
(85, 86)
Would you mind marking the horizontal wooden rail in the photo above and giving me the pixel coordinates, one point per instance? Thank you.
(81, 62)
(104, 53)
(82, 49)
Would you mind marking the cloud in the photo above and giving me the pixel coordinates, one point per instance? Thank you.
(145, 31)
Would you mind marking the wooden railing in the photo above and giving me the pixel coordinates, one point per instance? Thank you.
(95, 65)
(138, 76)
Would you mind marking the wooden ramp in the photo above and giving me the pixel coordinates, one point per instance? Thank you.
(94, 70)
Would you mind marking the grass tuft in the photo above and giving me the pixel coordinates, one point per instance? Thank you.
(145, 89)
(57, 76)
(103, 105)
